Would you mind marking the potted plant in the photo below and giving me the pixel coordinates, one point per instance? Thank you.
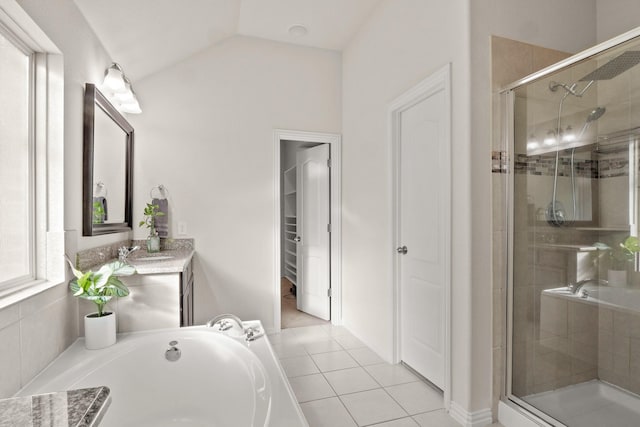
(151, 211)
(619, 258)
(98, 212)
(99, 287)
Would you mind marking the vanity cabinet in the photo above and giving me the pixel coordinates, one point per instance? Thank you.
(155, 301)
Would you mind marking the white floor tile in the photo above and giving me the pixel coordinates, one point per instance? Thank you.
(373, 406)
(311, 387)
(351, 380)
(402, 422)
(336, 331)
(416, 397)
(388, 375)
(299, 365)
(333, 361)
(311, 333)
(438, 418)
(283, 350)
(364, 356)
(349, 341)
(322, 346)
(327, 413)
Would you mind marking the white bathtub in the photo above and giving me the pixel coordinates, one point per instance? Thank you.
(218, 381)
(619, 298)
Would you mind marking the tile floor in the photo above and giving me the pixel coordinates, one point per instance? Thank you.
(339, 382)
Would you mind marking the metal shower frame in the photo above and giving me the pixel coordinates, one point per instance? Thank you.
(507, 104)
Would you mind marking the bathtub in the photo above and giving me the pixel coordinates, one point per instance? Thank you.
(217, 381)
(617, 298)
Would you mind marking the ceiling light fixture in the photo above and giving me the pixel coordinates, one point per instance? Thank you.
(298, 30)
(117, 87)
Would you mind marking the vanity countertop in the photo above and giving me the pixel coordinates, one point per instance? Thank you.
(82, 407)
(167, 261)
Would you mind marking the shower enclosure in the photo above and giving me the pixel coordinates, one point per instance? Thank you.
(574, 282)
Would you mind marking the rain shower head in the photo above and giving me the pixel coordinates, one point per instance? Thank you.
(611, 69)
(615, 67)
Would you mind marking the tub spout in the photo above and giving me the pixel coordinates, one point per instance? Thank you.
(575, 287)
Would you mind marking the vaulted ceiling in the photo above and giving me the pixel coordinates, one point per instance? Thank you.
(145, 36)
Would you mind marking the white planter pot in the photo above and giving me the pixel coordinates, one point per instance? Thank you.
(99, 332)
(617, 278)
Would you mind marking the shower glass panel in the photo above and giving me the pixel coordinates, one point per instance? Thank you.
(574, 335)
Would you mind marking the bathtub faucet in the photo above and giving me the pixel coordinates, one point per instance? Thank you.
(575, 287)
(224, 322)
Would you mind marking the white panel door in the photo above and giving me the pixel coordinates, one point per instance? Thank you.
(313, 211)
(423, 203)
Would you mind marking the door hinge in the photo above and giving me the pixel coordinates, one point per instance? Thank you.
(329, 292)
(329, 162)
(329, 228)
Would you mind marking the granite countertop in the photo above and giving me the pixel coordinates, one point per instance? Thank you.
(167, 261)
(82, 407)
(174, 256)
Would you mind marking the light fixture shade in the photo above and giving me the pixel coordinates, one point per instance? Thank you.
(114, 79)
(131, 107)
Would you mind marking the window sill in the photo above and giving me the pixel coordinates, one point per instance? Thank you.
(16, 294)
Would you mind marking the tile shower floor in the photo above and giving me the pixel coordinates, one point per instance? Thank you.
(339, 382)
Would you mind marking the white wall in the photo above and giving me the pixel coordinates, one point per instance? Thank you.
(36, 330)
(85, 60)
(206, 135)
(403, 42)
(616, 17)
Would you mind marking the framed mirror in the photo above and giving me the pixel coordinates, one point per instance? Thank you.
(107, 167)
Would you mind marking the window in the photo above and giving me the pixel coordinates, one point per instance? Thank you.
(16, 171)
(31, 158)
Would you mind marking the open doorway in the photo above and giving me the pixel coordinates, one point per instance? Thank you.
(307, 230)
(305, 233)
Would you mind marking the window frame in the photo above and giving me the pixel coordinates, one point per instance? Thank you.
(46, 155)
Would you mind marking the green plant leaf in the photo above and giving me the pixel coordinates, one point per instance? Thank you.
(631, 244)
(120, 268)
(117, 288)
(76, 273)
(75, 288)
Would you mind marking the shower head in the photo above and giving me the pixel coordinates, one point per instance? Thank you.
(594, 115)
(615, 67)
(611, 69)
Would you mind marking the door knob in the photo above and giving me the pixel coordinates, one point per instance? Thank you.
(402, 250)
(297, 239)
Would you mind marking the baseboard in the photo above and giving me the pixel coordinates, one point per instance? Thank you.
(479, 418)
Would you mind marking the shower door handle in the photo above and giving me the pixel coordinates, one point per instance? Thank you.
(402, 250)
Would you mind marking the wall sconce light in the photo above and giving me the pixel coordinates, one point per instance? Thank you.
(118, 89)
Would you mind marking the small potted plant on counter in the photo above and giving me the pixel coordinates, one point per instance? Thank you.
(99, 287)
(150, 213)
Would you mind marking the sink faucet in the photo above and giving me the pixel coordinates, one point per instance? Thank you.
(124, 252)
(575, 287)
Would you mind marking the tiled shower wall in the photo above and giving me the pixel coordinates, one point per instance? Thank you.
(510, 61)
